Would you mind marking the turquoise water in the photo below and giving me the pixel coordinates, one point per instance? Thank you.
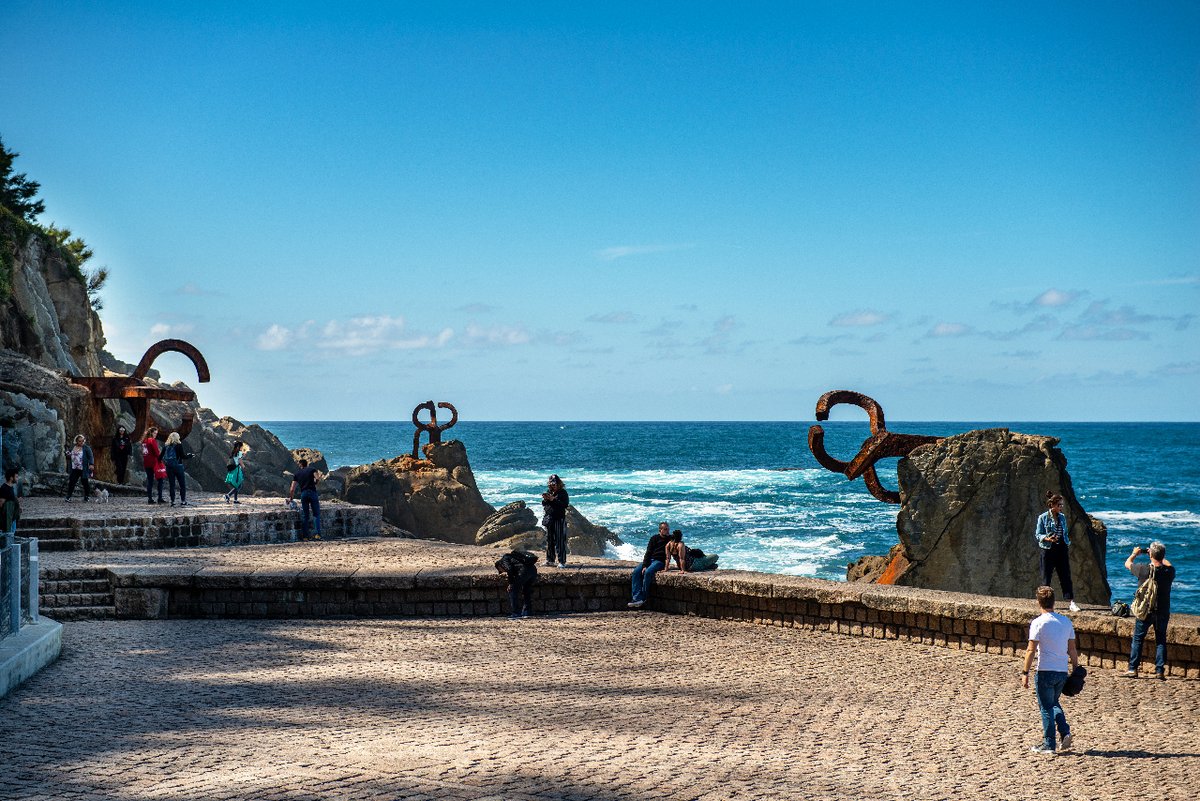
(753, 492)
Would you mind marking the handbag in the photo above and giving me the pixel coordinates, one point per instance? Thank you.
(160, 470)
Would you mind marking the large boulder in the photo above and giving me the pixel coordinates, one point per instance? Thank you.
(585, 538)
(512, 520)
(969, 506)
(435, 497)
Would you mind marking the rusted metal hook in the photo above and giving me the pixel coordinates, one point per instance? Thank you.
(435, 430)
(134, 389)
(882, 443)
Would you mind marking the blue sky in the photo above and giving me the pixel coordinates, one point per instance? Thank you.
(969, 211)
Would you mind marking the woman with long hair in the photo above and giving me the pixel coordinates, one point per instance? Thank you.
(81, 466)
(235, 475)
(173, 456)
(554, 518)
(151, 456)
(1054, 547)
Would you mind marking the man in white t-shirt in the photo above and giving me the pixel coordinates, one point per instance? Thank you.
(1052, 638)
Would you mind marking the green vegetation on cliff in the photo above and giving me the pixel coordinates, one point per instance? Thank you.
(19, 208)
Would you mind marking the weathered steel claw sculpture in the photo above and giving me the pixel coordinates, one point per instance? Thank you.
(134, 389)
(882, 443)
(435, 430)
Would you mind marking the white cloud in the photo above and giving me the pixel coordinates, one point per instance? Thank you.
(861, 318)
(622, 251)
(949, 330)
(1055, 297)
(353, 337)
(167, 330)
(496, 336)
(274, 338)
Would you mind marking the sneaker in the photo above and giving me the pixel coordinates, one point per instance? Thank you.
(525, 613)
(547, 563)
(636, 604)
(1161, 675)
(1066, 743)
(1074, 607)
(183, 503)
(514, 616)
(1129, 674)
(1041, 749)
(316, 537)
(563, 565)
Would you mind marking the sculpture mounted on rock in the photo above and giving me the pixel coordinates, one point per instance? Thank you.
(432, 427)
(882, 443)
(134, 389)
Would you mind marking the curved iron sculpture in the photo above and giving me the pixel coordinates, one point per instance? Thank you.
(134, 389)
(432, 427)
(882, 443)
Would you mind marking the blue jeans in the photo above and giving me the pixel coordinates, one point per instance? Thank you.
(1140, 627)
(643, 579)
(309, 500)
(1049, 688)
(175, 476)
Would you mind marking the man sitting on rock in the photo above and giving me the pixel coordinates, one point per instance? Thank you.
(521, 569)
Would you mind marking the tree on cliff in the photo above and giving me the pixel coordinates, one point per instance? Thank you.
(17, 192)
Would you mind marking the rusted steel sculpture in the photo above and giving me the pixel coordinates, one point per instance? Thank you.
(435, 430)
(882, 443)
(133, 388)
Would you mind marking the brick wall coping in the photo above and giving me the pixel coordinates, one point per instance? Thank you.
(747, 585)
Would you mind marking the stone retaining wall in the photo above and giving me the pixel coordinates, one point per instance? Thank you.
(182, 529)
(930, 617)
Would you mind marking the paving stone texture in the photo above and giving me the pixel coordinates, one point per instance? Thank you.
(603, 706)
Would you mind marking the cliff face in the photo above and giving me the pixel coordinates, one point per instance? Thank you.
(48, 332)
(47, 315)
(48, 329)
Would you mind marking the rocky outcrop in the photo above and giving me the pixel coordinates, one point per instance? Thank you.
(870, 568)
(435, 497)
(969, 505)
(47, 314)
(509, 521)
(37, 410)
(516, 526)
(585, 538)
(314, 458)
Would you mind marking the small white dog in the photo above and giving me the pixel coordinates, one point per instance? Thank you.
(100, 495)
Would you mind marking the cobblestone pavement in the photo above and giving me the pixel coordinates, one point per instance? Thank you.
(600, 706)
(199, 502)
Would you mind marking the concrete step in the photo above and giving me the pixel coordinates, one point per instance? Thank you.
(67, 613)
(73, 573)
(45, 545)
(67, 586)
(63, 600)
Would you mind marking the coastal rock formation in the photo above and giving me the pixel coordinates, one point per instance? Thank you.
(516, 526)
(969, 505)
(434, 497)
(37, 409)
(585, 538)
(514, 520)
(314, 458)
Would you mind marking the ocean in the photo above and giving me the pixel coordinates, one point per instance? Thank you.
(753, 493)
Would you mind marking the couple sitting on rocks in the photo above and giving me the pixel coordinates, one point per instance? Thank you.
(662, 548)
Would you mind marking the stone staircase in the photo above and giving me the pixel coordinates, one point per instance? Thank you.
(53, 534)
(82, 593)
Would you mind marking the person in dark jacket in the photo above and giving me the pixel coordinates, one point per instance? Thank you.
(81, 466)
(554, 518)
(121, 447)
(10, 506)
(521, 569)
(654, 560)
(172, 457)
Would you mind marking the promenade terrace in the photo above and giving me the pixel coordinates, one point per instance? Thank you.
(458, 702)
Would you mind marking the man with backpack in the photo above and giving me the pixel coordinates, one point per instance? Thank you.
(1157, 612)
